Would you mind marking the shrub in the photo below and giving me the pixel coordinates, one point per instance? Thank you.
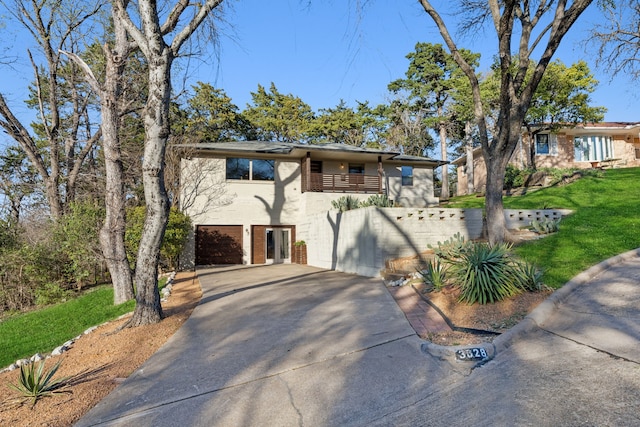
(487, 274)
(175, 236)
(531, 277)
(77, 243)
(51, 293)
(435, 274)
(545, 226)
(378, 200)
(35, 383)
(452, 249)
(346, 203)
(514, 177)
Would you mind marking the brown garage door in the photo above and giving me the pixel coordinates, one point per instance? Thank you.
(218, 244)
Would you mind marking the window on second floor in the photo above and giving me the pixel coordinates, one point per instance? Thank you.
(407, 176)
(592, 148)
(250, 169)
(357, 168)
(547, 144)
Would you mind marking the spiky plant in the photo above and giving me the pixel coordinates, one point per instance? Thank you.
(487, 274)
(35, 383)
(346, 203)
(435, 274)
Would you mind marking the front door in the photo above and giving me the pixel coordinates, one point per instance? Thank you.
(278, 245)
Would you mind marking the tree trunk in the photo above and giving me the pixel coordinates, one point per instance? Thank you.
(113, 230)
(444, 192)
(470, 165)
(496, 225)
(156, 122)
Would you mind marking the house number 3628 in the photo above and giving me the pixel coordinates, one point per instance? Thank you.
(471, 354)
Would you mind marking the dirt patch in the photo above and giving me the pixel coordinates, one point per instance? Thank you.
(495, 317)
(100, 361)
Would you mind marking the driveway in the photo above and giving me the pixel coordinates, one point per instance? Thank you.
(289, 345)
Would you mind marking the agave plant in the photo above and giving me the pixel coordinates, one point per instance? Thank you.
(488, 274)
(435, 274)
(36, 383)
(379, 200)
(346, 203)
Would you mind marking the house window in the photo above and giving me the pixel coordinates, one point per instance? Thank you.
(316, 166)
(407, 176)
(357, 168)
(592, 148)
(250, 169)
(637, 150)
(547, 144)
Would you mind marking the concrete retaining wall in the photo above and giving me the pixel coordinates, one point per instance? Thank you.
(361, 240)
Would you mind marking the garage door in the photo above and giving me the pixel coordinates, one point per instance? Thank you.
(218, 244)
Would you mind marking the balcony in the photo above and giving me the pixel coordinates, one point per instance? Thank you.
(343, 183)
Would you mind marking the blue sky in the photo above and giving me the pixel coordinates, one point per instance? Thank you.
(327, 50)
(330, 50)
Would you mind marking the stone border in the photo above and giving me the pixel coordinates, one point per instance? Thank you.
(532, 321)
(164, 294)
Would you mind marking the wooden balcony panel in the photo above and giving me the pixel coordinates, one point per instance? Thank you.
(344, 183)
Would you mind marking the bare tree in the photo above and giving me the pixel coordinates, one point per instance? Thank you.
(66, 134)
(523, 24)
(196, 186)
(112, 109)
(618, 38)
(149, 36)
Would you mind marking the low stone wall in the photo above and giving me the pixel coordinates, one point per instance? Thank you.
(362, 240)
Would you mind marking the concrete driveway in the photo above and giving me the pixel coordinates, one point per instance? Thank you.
(289, 345)
(278, 345)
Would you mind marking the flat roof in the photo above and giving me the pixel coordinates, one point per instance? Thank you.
(329, 150)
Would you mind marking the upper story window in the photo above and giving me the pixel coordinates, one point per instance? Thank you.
(592, 148)
(356, 168)
(407, 176)
(316, 166)
(547, 144)
(250, 169)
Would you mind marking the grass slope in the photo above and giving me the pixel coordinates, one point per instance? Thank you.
(606, 222)
(43, 330)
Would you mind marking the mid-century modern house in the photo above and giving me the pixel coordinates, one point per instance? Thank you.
(250, 201)
(607, 144)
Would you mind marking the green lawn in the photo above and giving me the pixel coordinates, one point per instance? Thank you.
(42, 330)
(606, 222)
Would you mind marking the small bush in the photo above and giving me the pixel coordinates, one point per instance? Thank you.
(531, 277)
(175, 236)
(378, 200)
(487, 274)
(35, 383)
(346, 203)
(51, 293)
(545, 226)
(453, 248)
(435, 274)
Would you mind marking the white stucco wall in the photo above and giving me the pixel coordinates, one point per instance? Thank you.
(420, 194)
(360, 241)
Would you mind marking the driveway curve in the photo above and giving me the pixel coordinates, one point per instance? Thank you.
(291, 345)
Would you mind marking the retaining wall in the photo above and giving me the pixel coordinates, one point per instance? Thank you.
(360, 241)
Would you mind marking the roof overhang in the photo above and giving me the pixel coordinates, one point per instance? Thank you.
(288, 150)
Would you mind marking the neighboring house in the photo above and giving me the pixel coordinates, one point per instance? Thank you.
(247, 199)
(607, 144)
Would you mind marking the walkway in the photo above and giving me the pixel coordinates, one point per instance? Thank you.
(294, 345)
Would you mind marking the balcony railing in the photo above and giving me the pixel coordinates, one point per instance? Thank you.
(344, 183)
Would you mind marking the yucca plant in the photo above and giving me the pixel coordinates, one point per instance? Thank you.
(346, 203)
(435, 274)
(545, 226)
(487, 274)
(36, 383)
(378, 200)
(531, 277)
